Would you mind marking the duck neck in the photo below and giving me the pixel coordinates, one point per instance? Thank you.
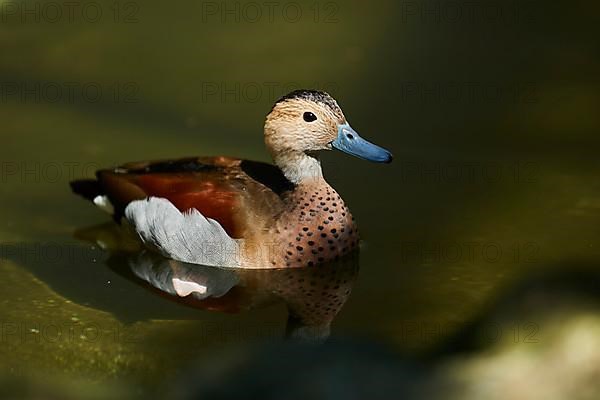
(299, 167)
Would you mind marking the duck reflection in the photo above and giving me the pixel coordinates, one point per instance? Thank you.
(313, 295)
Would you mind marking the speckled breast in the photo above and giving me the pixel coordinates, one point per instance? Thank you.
(316, 228)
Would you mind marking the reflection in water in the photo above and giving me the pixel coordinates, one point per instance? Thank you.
(313, 295)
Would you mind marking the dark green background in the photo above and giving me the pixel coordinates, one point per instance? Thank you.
(492, 118)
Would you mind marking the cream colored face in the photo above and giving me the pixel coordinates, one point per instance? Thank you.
(301, 125)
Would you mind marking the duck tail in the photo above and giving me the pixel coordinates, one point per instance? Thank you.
(92, 190)
(87, 188)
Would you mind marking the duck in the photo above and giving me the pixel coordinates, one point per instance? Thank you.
(228, 212)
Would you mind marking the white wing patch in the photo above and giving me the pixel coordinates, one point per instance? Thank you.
(188, 237)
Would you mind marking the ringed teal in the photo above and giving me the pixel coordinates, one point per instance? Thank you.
(229, 212)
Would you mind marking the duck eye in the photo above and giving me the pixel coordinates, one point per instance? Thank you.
(309, 117)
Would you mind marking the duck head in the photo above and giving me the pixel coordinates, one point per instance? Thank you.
(306, 121)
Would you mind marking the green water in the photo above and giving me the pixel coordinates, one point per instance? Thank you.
(484, 188)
